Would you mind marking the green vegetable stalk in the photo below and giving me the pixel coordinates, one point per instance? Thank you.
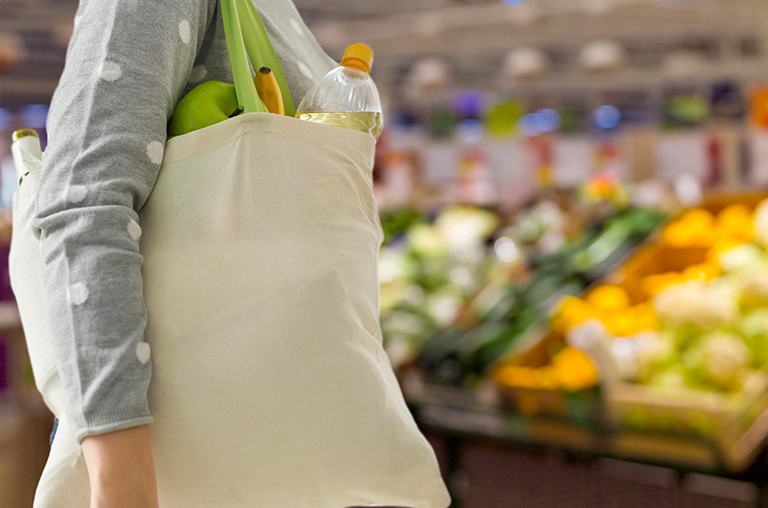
(247, 97)
(260, 49)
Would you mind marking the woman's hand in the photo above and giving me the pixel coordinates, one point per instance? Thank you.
(121, 469)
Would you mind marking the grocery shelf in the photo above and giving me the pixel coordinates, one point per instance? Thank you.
(461, 411)
(679, 456)
(463, 416)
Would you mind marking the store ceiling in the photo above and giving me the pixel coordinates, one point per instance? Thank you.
(473, 37)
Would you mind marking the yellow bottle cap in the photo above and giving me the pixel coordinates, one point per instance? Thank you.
(23, 133)
(359, 56)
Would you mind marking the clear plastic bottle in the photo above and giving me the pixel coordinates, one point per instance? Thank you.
(27, 154)
(346, 96)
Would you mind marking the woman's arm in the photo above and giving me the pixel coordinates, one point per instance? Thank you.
(120, 469)
(127, 65)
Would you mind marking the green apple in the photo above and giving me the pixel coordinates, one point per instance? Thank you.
(206, 104)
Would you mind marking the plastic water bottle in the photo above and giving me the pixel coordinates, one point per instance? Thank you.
(346, 96)
(27, 154)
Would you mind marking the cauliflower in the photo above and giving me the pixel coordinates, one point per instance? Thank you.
(657, 355)
(426, 241)
(754, 329)
(705, 307)
(403, 331)
(444, 306)
(755, 323)
(669, 379)
(740, 258)
(754, 290)
(464, 228)
(394, 271)
(394, 265)
(719, 359)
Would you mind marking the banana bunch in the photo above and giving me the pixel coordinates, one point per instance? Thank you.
(212, 102)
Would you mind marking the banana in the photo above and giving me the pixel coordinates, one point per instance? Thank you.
(269, 90)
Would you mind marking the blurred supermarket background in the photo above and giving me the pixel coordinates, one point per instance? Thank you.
(574, 279)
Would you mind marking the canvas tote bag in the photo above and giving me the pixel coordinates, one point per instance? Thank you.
(270, 386)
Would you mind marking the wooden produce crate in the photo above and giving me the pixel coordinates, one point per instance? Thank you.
(716, 201)
(735, 425)
(730, 423)
(653, 259)
(581, 407)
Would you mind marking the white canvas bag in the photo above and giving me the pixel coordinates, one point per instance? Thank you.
(270, 386)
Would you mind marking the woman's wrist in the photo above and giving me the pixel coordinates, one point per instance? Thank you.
(120, 469)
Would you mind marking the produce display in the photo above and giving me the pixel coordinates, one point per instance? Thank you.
(459, 292)
(704, 327)
(589, 315)
(702, 228)
(611, 319)
(611, 306)
(570, 370)
(428, 271)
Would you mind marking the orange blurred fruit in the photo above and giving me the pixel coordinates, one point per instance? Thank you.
(609, 298)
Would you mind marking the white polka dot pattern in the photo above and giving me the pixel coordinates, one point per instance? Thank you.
(143, 352)
(75, 193)
(78, 293)
(198, 73)
(184, 31)
(134, 229)
(82, 223)
(305, 70)
(110, 71)
(155, 152)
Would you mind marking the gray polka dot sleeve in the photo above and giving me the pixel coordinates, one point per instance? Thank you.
(128, 64)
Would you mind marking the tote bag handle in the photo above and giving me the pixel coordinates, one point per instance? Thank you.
(244, 30)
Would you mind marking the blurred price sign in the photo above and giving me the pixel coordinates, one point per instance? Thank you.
(681, 154)
(759, 149)
(573, 157)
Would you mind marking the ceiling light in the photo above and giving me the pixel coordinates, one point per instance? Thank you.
(526, 63)
(602, 55)
(429, 74)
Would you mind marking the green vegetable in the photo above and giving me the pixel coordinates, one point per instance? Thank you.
(718, 360)
(601, 249)
(397, 222)
(485, 345)
(260, 49)
(754, 329)
(247, 97)
(438, 357)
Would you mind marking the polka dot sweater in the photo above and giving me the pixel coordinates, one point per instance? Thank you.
(127, 66)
